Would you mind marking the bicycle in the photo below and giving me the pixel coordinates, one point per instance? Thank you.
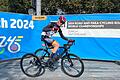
(40, 58)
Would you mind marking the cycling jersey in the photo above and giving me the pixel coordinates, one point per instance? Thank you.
(47, 32)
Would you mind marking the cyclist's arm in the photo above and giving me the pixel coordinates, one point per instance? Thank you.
(62, 36)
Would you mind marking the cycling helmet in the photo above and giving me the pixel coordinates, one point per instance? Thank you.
(62, 19)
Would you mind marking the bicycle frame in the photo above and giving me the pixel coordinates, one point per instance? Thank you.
(66, 47)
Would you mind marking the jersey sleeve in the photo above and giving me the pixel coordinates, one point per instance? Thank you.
(62, 36)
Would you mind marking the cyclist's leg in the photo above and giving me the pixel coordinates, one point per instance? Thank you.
(56, 46)
(52, 42)
(54, 51)
(54, 57)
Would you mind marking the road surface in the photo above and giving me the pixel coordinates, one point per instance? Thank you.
(94, 70)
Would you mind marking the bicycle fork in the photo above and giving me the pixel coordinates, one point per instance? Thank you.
(69, 59)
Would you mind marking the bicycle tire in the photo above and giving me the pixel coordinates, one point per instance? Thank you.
(38, 65)
(71, 57)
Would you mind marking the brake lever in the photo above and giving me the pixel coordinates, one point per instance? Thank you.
(74, 43)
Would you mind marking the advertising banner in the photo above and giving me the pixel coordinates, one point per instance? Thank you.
(97, 36)
(15, 32)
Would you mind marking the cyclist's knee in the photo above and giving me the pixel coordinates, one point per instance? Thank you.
(56, 44)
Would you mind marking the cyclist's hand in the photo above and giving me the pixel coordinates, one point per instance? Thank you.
(71, 40)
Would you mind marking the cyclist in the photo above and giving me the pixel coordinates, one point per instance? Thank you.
(51, 29)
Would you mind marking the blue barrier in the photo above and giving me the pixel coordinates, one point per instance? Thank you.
(97, 35)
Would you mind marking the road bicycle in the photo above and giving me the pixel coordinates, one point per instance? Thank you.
(35, 64)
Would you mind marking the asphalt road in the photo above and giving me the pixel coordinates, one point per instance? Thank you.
(94, 70)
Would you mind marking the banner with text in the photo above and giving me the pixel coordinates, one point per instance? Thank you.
(97, 35)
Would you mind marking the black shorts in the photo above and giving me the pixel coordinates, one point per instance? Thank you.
(49, 41)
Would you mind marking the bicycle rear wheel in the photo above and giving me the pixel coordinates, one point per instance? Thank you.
(72, 65)
(30, 65)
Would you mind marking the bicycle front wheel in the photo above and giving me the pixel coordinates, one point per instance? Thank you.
(72, 65)
(30, 65)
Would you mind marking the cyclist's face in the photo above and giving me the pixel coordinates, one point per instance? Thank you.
(62, 23)
(59, 23)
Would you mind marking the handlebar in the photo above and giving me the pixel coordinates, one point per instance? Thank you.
(69, 44)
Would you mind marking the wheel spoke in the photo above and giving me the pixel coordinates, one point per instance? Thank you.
(30, 65)
(72, 65)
